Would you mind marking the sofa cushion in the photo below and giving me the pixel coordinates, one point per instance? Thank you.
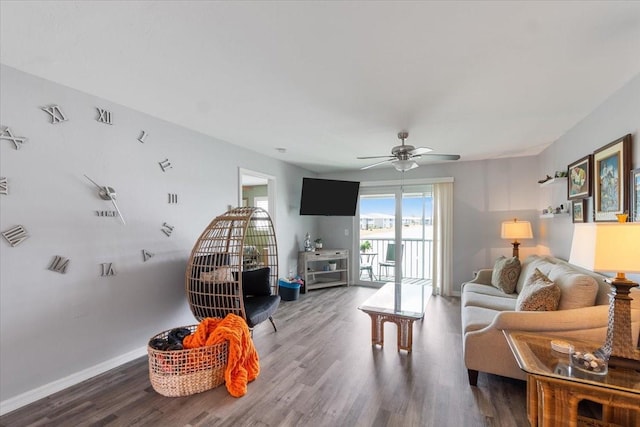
(504, 302)
(220, 274)
(505, 274)
(539, 294)
(577, 290)
(544, 264)
(486, 290)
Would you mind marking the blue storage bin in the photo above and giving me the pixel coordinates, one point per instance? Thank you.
(288, 291)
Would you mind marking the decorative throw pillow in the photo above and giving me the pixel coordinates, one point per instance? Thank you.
(256, 282)
(505, 274)
(539, 294)
(220, 274)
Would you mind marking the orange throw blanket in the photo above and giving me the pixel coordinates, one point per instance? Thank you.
(242, 360)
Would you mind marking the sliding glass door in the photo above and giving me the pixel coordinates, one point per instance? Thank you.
(395, 234)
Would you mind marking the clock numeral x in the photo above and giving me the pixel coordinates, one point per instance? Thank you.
(57, 116)
(173, 198)
(4, 186)
(167, 229)
(8, 135)
(107, 269)
(165, 164)
(104, 116)
(15, 235)
(59, 264)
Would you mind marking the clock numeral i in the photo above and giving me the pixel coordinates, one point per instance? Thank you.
(146, 255)
(104, 116)
(57, 116)
(59, 264)
(165, 164)
(107, 269)
(173, 198)
(167, 229)
(8, 135)
(4, 186)
(15, 235)
(143, 136)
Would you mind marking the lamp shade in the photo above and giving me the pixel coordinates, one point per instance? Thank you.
(516, 230)
(608, 247)
(404, 165)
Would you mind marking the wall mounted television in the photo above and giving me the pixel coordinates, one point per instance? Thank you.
(328, 197)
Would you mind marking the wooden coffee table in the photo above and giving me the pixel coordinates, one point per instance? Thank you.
(401, 304)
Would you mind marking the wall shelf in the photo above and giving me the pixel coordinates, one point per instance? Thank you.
(553, 215)
(553, 181)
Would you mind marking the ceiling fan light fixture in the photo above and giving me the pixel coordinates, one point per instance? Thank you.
(404, 165)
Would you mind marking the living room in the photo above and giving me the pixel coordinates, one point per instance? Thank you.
(60, 328)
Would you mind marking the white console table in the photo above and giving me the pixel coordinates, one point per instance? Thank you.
(314, 268)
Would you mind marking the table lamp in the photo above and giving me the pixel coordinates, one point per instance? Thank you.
(516, 230)
(613, 247)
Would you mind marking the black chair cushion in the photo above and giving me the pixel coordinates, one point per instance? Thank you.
(258, 309)
(256, 282)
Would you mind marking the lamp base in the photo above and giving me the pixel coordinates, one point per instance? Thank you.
(620, 343)
(516, 250)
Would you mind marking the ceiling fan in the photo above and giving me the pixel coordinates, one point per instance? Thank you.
(403, 156)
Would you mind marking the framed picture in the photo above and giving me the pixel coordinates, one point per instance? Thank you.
(611, 167)
(635, 195)
(579, 182)
(578, 210)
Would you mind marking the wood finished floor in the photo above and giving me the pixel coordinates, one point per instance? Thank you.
(319, 369)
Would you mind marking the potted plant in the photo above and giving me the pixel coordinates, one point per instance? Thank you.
(365, 246)
(318, 243)
(332, 265)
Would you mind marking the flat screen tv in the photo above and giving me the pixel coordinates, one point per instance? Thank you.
(328, 197)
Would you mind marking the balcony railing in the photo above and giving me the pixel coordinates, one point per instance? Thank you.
(416, 257)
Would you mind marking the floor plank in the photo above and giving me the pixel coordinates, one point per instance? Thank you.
(319, 369)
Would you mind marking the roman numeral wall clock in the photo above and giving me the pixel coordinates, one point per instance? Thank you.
(107, 206)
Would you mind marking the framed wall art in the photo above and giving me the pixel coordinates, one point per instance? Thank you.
(611, 167)
(578, 210)
(579, 182)
(635, 195)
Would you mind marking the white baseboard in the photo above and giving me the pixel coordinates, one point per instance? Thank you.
(31, 396)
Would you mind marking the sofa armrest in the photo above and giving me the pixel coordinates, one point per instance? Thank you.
(554, 321)
(483, 276)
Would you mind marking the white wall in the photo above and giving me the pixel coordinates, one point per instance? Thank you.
(55, 326)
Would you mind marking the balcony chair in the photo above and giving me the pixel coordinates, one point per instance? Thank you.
(366, 264)
(389, 260)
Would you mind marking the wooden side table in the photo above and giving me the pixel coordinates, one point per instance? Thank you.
(554, 390)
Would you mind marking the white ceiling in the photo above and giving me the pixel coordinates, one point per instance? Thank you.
(333, 80)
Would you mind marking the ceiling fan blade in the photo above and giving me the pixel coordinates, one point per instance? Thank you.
(378, 163)
(377, 157)
(420, 150)
(442, 156)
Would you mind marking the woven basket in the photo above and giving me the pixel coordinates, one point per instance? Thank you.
(184, 372)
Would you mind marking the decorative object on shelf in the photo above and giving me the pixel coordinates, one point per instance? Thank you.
(365, 246)
(579, 182)
(612, 164)
(560, 174)
(516, 230)
(635, 195)
(604, 247)
(333, 265)
(578, 211)
(318, 243)
(307, 243)
(542, 181)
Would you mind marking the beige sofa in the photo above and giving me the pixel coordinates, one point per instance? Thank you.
(486, 311)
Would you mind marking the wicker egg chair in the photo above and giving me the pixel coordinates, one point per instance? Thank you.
(233, 268)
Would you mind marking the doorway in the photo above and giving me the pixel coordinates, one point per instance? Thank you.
(395, 234)
(258, 190)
